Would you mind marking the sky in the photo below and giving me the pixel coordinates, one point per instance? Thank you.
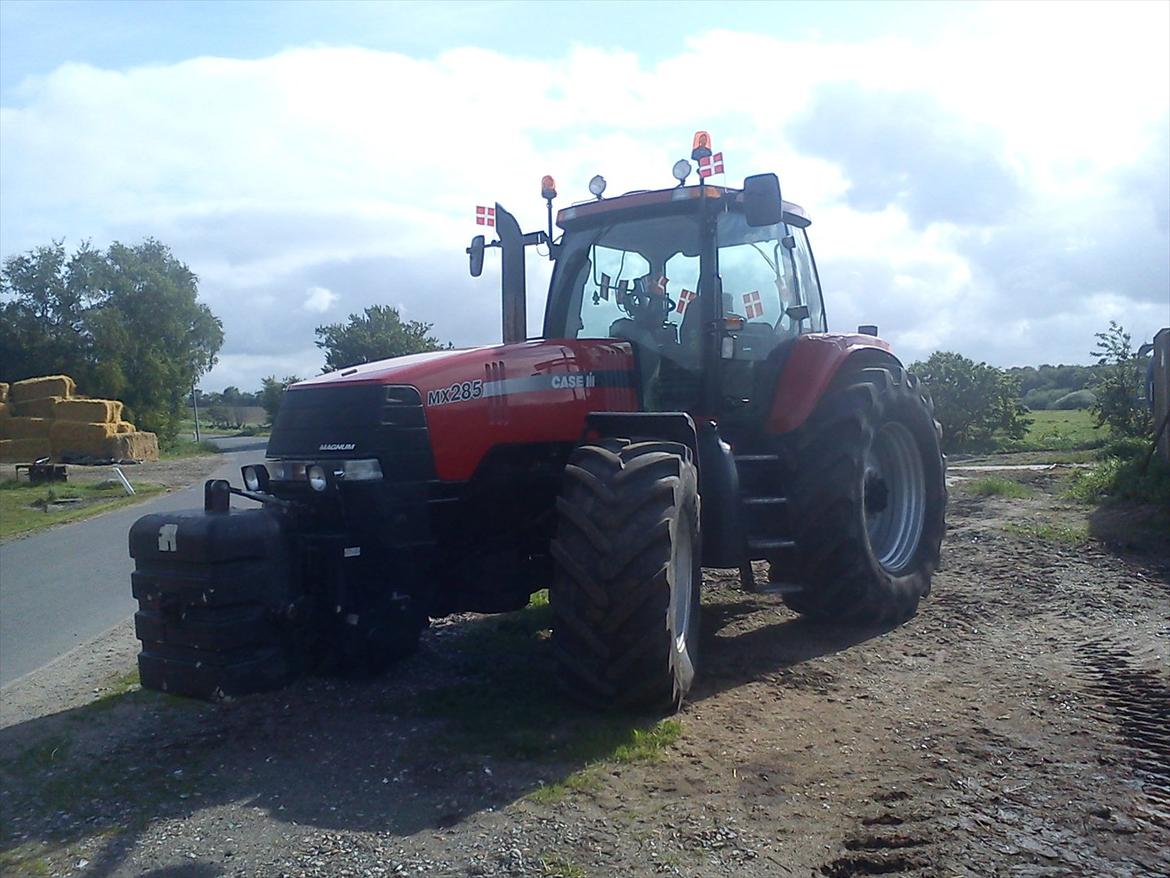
(992, 179)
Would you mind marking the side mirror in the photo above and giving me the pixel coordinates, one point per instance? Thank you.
(475, 252)
(762, 205)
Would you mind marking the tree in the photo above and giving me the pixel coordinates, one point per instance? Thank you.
(974, 402)
(272, 393)
(1120, 386)
(377, 334)
(126, 323)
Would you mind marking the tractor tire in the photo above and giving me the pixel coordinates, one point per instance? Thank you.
(625, 594)
(868, 499)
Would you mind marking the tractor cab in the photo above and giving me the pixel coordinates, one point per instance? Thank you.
(709, 285)
(709, 301)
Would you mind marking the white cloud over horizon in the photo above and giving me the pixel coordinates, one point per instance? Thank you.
(1002, 191)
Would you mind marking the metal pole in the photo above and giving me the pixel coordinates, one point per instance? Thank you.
(195, 406)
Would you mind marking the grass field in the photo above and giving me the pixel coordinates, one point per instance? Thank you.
(1059, 431)
(187, 448)
(26, 508)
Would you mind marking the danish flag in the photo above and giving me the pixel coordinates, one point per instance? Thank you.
(711, 164)
(485, 216)
(753, 306)
(685, 297)
(660, 284)
(605, 283)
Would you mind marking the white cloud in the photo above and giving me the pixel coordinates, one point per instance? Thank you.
(352, 174)
(318, 300)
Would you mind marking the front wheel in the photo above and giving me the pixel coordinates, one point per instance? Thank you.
(625, 596)
(869, 498)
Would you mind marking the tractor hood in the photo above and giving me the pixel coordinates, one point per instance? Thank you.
(462, 403)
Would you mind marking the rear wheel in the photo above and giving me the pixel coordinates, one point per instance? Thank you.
(869, 499)
(625, 596)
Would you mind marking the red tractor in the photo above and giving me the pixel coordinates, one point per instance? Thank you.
(684, 406)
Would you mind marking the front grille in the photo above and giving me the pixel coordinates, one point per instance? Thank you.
(355, 421)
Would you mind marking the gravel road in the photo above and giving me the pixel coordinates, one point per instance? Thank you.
(1017, 726)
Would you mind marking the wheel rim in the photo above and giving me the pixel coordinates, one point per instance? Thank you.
(894, 497)
(682, 572)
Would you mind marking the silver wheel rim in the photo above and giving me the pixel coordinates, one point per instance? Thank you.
(681, 575)
(894, 496)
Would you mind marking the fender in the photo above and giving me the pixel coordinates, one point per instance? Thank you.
(809, 370)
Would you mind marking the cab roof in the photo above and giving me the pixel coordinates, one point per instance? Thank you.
(794, 214)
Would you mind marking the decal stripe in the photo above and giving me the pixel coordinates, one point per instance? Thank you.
(561, 381)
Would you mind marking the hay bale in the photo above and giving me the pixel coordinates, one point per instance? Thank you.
(41, 407)
(89, 411)
(27, 428)
(65, 430)
(134, 446)
(74, 439)
(38, 388)
(23, 450)
(126, 427)
(3, 391)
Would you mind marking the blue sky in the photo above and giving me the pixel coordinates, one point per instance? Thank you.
(988, 178)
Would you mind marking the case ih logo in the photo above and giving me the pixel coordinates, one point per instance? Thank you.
(337, 446)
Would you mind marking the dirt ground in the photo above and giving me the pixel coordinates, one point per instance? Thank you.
(1019, 725)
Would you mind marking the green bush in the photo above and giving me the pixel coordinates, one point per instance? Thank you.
(977, 404)
(1121, 478)
(1130, 448)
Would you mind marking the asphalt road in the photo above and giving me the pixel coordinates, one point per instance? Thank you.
(67, 585)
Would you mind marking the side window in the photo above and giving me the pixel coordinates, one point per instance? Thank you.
(758, 276)
(810, 289)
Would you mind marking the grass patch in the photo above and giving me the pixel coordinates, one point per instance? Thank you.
(504, 702)
(26, 508)
(555, 866)
(121, 685)
(997, 486)
(1058, 431)
(188, 448)
(1119, 477)
(1072, 535)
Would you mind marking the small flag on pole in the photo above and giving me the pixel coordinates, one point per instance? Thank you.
(711, 164)
(605, 282)
(660, 284)
(753, 306)
(685, 297)
(485, 216)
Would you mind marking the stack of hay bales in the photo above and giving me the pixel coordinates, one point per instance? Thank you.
(42, 417)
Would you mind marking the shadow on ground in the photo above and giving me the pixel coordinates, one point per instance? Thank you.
(473, 722)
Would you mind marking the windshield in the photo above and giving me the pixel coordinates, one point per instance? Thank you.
(643, 276)
(640, 275)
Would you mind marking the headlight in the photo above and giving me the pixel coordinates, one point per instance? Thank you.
(255, 478)
(317, 478)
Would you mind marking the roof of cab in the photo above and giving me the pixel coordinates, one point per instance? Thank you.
(793, 213)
